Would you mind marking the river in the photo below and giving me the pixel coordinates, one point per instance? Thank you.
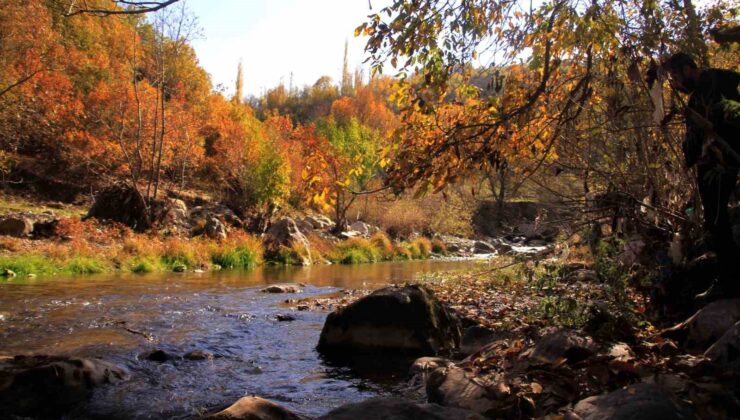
(117, 318)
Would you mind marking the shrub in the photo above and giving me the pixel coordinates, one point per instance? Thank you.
(178, 253)
(424, 246)
(287, 256)
(413, 249)
(402, 253)
(355, 251)
(143, 266)
(383, 244)
(439, 247)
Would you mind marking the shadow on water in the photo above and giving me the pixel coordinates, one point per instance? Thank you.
(117, 318)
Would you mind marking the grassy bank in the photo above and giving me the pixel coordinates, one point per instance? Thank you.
(377, 248)
(93, 248)
(97, 251)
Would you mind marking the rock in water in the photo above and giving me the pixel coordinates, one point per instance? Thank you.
(17, 226)
(282, 288)
(397, 409)
(405, 319)
(635, 402)
(254, 408)
(49, 386)
(121, 204)
(199, 355)
(482, 247)
(157, 355)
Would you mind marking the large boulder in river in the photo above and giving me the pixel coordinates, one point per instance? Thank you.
(17, 226)
(397, 409)
(122, 204)
(254, 408)
(635, 402)
(406, 319)
(49, 386)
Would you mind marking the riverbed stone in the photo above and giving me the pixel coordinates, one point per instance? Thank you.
(455, 387)
(406, 319)
(17, 226)
(559, 345)
(49, 386)
(635, 402)
(254, 408)
(428, 364)
(483, 247)
(397, 409)
(157, 355)
(282, 288)
(199, 355)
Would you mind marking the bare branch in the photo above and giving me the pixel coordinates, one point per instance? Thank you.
(19, 82)
(124, 7)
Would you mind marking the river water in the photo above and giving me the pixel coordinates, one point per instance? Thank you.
(117, 318)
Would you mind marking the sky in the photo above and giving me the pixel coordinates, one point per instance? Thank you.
(276, 37)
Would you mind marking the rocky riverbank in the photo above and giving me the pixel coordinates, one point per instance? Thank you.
(209, 236)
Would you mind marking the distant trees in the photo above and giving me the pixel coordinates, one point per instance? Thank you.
(123, 99)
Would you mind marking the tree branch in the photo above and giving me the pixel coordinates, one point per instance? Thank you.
(726, 35)
(131, 8)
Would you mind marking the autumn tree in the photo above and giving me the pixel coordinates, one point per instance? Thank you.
(576, 98)
(342, 159)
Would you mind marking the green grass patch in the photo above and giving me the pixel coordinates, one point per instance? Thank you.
(85, 265)
(145, 265)
(23, 265)
(238, 257)
(356, 251)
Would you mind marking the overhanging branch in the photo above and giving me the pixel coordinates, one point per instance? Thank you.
(122, 7)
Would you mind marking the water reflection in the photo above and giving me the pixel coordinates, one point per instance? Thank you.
(117, 318)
